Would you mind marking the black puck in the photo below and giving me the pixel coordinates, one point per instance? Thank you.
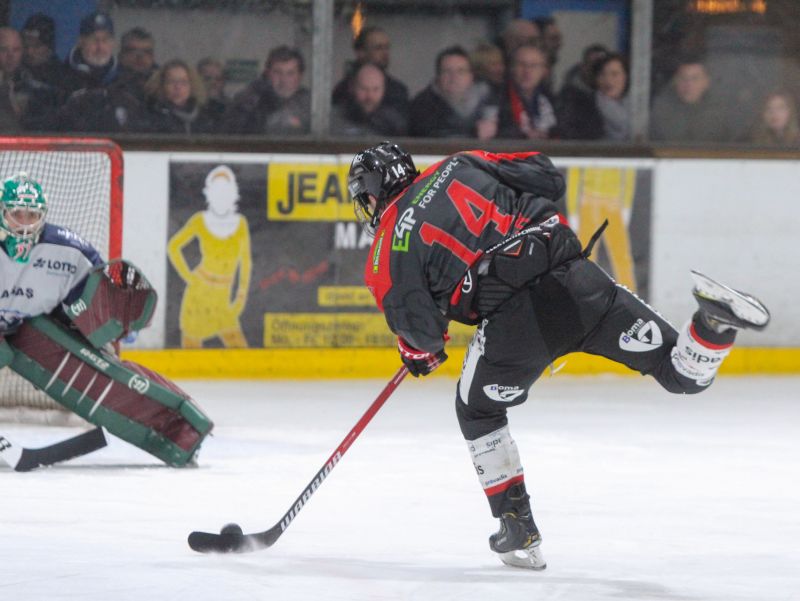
(234, 529)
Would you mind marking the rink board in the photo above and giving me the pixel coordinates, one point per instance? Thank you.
(381, 363)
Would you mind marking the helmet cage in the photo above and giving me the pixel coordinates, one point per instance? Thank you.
(380, 172)
(363, 186)
(17, 221)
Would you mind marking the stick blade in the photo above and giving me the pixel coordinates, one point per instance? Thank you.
(210, 542)
(80, 445)
(225, 542)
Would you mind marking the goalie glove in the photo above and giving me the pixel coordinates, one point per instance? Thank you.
(419, 363)
(116, 300)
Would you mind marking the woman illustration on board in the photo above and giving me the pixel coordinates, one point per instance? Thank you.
(214, 297)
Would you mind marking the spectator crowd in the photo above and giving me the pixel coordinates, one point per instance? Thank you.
(500, 89)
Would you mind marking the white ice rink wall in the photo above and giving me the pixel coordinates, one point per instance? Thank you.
(736, 220)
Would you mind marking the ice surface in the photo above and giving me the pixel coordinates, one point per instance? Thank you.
(640, 495)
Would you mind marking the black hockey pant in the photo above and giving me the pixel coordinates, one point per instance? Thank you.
(576, 307)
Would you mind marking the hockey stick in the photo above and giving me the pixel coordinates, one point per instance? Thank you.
(24, 460)
(231, 539)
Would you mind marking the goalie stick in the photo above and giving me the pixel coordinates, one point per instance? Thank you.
(24, 460)
(232, 540)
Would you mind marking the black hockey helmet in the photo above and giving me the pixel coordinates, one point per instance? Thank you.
(382, 171)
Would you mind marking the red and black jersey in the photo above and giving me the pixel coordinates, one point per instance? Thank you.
(441, 224)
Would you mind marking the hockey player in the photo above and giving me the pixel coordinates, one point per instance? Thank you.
(477, 239)
(42, 265)
(61, 306)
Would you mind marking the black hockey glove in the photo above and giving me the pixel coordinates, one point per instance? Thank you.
(419, 363)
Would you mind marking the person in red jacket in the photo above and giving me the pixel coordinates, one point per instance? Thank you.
(477, 238)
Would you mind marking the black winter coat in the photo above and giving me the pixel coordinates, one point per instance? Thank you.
(350, 120)
(432, 117)
(578, 115)
(166, 118)
(259, 110)
(105, 110)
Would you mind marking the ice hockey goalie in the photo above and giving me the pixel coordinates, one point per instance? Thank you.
(63, 311)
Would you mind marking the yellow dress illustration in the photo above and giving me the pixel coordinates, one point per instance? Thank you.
(598, 193)
(210, 307)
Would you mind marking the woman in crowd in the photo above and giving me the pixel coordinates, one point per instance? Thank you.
(453, 105)
(176, 101)
(611, 97)
(603, 115)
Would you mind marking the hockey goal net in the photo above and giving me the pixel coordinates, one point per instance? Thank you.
(82, 180)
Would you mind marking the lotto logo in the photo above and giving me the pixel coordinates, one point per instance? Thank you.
(55, 267)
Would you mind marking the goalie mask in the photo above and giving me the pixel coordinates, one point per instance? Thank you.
(24, 207)
(376, 176)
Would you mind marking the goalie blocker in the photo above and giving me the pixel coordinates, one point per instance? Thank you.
(128, 400)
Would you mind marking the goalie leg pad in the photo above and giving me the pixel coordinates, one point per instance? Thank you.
(6, 353)
(129, 400)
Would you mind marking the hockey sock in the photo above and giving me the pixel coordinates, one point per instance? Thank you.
(699, 351)
(496, 460)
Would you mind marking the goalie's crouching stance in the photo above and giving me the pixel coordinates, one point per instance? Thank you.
(62, 310)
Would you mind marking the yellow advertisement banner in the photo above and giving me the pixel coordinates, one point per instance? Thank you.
(320, 330)
(308, 192)
(344, 296)
(298, 330)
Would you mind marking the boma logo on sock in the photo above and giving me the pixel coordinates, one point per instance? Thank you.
(641, 337)
(506, 394)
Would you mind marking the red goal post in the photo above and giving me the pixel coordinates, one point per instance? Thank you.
(82, 180)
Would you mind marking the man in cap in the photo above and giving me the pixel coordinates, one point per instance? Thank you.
(92, 61)
(104, 99)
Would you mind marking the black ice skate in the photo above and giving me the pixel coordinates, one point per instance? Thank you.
(517, 542)
(722, 307)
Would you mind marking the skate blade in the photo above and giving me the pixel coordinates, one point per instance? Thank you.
(743, 306)
(529, 559)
